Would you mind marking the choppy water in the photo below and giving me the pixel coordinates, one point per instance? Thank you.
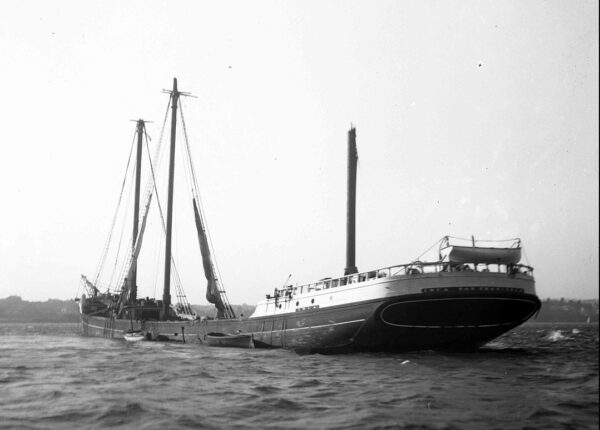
(536, 377)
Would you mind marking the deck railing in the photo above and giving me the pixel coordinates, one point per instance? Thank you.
(415, 268)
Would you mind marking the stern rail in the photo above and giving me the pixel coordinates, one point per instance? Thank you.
(414, 268)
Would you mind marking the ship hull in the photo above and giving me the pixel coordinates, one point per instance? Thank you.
(445, 311)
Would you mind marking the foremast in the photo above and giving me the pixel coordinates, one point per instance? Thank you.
(128, 295)
(132, 278)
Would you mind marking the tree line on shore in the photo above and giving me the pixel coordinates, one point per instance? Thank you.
(14, 309)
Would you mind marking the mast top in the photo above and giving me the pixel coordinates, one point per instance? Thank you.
(140, 122)
(175, 93)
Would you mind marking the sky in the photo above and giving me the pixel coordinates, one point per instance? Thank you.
(473, 118)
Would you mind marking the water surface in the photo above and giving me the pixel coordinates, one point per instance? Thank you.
(538, 376)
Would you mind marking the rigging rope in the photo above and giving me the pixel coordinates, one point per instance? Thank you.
(229, 312)
(109, 238)
(152, 186)
(158, 259)
(430, 248)
(120, 238)
(147, 195)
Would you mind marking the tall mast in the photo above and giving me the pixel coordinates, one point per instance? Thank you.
(351, 205)
(167, 285)
(136, 210)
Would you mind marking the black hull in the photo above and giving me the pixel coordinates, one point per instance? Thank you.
(443, 322)
(403, 323)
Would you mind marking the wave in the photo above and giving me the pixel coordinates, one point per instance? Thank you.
(523, 379)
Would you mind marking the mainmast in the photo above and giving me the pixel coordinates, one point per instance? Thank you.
(136, 210)
(351, 205)
(167, 286)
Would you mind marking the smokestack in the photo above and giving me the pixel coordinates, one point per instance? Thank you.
(351, 207)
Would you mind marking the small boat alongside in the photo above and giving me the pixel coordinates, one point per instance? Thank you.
(229, 340)
(133, 336)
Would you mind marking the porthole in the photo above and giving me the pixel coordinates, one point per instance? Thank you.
(312, 300)
(297, 303)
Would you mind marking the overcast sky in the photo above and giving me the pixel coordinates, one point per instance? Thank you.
(473, 118)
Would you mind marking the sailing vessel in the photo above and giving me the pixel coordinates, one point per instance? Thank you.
(466, 297)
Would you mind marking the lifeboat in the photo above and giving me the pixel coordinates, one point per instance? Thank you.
(477, 255)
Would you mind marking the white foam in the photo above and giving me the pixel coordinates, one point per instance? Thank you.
(555, 335)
